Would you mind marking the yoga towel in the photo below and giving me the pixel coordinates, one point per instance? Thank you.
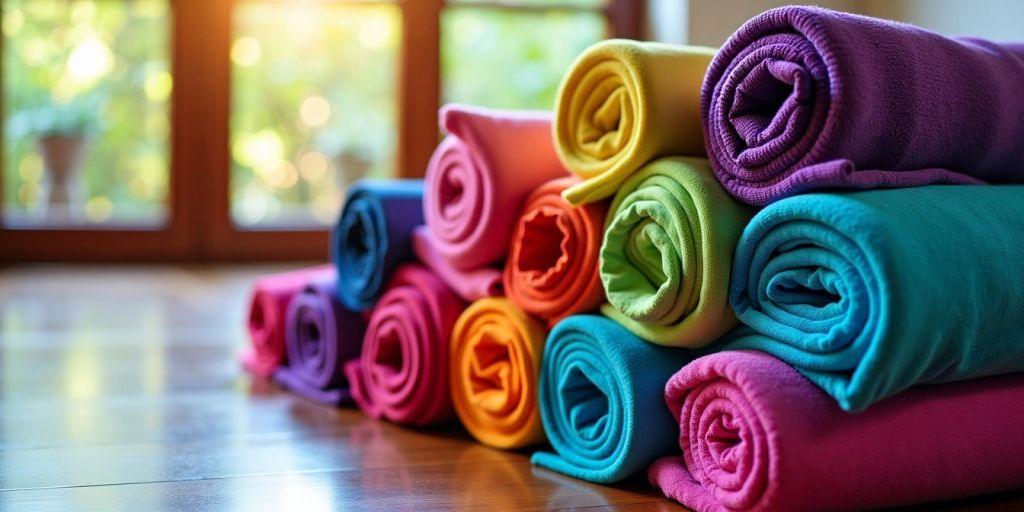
(470, 285)
(868, 293)
(600, 400)
(479, 177)
(667, 251)
(552, 270)
(320, 335)
(756, 435)
(267, 307)
(623, 103)
(804, 98)
(373, 237)
(496, 353)
(402, 373)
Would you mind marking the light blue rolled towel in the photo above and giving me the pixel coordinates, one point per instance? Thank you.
(601, 400)
(869, 293)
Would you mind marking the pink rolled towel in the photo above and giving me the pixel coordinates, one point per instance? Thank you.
(267, 307)
(479, 177)
(756, 435)
(470, 285)
(402, 372)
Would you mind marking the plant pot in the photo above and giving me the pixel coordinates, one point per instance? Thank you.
(62, 158)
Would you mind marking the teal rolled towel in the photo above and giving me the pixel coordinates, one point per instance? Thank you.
(601, 400)
(868, 293)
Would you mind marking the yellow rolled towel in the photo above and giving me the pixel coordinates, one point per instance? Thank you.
(624, 103)
(495, 360)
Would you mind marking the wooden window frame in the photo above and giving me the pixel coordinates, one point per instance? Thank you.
(199, 226)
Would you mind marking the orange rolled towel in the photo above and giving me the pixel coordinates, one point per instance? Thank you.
(495, 359)
(552, 271)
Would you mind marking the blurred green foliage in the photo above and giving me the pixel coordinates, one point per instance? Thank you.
(96, 67)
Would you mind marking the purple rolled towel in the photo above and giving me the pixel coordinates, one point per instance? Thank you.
(804, 98)
(321, 335)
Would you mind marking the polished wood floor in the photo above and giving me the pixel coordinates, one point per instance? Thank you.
(119, 390)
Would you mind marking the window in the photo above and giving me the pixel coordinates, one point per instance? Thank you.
(229, 129)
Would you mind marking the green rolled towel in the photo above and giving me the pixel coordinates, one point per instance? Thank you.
(667, 253)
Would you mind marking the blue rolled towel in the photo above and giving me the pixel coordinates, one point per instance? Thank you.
(373, 237)
(601, 400)
(869, 293)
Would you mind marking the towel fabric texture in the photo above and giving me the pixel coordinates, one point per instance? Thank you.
(666, 256)
(804, 98)
(552, 270)
(601, 401)
(372, 237)
(268, 305)
(480, 175)
(868, 293)
(470, 285)
(756, 435)
(402, 373)
(623, 103)
(321, 335)
(496, 352)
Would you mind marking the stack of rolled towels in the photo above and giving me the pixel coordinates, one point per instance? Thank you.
(784, 275)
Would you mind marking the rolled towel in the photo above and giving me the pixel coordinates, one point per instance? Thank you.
(268, 305)
(552, 270)
(373, 237)
(623, 103)
(496, 352)
(469, 285)
(666, 256)
(402, 373)
(756, 435)
(480, 175)
(868, 293)
(321, 335)
(600, 400)
(804, 98)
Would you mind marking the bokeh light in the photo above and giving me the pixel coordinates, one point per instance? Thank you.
(99, 209)
(89, 61)
(314, 166)
(315, 111)
(246, 51)
(158, 86)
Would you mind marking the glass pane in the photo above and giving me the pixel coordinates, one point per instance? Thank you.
(540, 3)
(313, 107)
(512, 59)
(86, 93)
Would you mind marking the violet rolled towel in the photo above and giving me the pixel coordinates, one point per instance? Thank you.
(804, 98)
(320, 335)
(756, 435)
(402, 372)
(268, 306)
(374, 236)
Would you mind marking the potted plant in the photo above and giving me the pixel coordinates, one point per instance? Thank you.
(61, 131)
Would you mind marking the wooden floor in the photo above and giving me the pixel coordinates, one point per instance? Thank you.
(121, 391)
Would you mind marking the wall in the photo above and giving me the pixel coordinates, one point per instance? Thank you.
(710, 22)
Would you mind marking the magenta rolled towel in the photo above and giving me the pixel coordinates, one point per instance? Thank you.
(804, 98)
(757, 435)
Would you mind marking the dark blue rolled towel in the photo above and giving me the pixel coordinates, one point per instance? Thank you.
(373, 237)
